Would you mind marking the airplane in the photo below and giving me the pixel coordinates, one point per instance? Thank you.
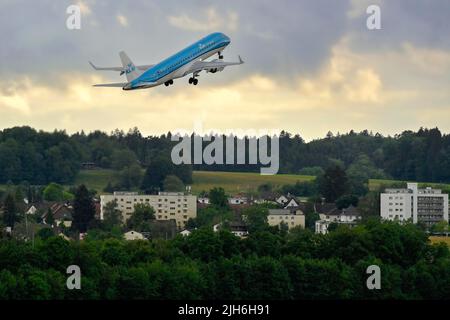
(190, 60)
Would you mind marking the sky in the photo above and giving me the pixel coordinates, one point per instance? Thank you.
(310, 66)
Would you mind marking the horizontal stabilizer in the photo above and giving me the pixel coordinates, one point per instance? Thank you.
(115, 85)
(108, 68)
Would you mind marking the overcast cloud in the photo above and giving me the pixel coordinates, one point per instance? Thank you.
(311, 66)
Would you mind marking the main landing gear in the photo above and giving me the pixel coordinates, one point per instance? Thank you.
(193, 81)
(168, 83)
(220, 55)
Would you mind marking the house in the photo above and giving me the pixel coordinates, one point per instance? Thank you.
(291, 217)
(61, 212)
(347, 216)
(238, 228)
(133, 235)
(281, 200)
(203, 200)
(292, 203)
(185, 233)
(238, 200)
(31, 209)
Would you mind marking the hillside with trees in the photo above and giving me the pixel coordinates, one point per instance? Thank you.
(38, 157)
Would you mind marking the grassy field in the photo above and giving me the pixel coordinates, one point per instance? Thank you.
(435, 239)
(374, 184)
(234, 182)
(95, 179)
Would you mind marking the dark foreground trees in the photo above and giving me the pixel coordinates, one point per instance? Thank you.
(83, 209)
(217, 265)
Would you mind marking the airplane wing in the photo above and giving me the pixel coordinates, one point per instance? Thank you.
(212, 66)
(120, 69)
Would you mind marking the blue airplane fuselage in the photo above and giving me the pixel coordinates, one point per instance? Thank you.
(177, 65)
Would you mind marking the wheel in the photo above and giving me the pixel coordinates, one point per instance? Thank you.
(166, 84)
(190, 80)
(195, 81)
(171, 82)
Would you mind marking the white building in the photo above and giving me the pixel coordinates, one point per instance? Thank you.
(427, 206)
(282, 200)
(133, 235)
(237, 200)
(185, 233)
(348, 216)
(239, 229)
(167, 205)
(292, 218)
(203, 200)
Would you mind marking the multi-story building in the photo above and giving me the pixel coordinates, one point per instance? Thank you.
(427, 206)
(292, 218)
(167, 205)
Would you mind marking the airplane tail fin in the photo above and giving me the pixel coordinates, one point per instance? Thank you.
(130, 69)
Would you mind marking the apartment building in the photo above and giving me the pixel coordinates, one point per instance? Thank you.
(167, 205)
(292, 218)
(427, 206)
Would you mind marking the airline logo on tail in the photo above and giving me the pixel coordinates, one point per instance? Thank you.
(130, 68)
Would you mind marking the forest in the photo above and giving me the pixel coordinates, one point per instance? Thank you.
(38, 157)
(270, 264)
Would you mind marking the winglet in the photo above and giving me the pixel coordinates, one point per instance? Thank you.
(240, 60)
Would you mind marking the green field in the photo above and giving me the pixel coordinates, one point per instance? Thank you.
(234, 182)
(435, 239)
(374, 184)
(95, 179)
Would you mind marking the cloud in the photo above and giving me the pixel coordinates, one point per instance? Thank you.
(351, 91)
(84, 7)
(209, 21)
(123, 21)
(311, 66)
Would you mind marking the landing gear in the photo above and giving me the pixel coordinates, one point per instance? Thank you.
(193, 81)
(168, 83)
(220, 55)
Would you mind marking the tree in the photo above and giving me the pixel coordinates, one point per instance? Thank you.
(123, 158)
(256, 218)
(346, 201)
(359, 173)
(441, 226)
(45, 233)
(155, 174)
(143, 213)
(111, 215)
(333, 183)
(130, 177)
(54, 192)
(10, 216)
(49, 219)
(218, 198)
(173, 183)
(83, 209)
